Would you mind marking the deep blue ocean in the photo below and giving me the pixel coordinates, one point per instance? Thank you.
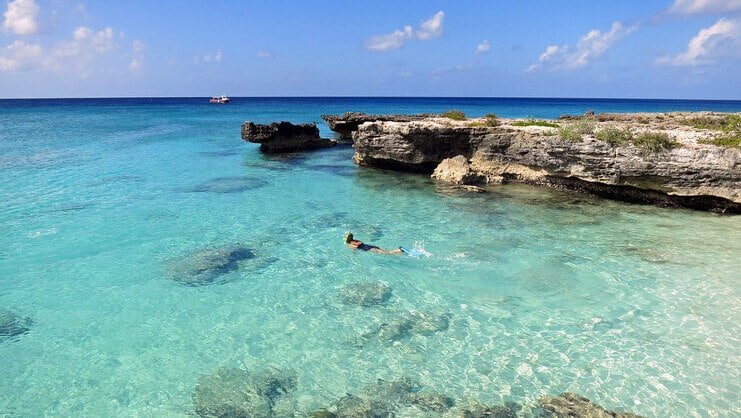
(106, 204)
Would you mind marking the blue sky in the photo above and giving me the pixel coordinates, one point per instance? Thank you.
(631, 48)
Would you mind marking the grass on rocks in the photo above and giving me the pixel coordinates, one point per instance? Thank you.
(655, 141)
(535, 122)
(454, 115)
(490, 120)
(615, 136)
(574, 131)
(728, 125)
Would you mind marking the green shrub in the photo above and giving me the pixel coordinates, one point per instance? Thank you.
(535, 122)
(655, 141)
(615, 136)
(584, 128)
(491, 119)
(569, 133)
(454, 114)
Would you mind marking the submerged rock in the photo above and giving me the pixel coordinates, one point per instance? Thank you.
(239, 393)
(230, 185)
(12, 325)
(484, 411)
(408, 324)
(384, 399)
(206, 266)
(279, 137)
(365, 293)
(570, 405)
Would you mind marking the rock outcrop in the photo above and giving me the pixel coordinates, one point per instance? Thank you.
(570, 405)
(281, 137)
(693, 175)
(348, 123)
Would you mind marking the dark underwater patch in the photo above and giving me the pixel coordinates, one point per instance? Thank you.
(208, 265)
(230, 185)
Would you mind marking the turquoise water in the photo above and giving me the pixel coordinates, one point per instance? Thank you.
(635, 307)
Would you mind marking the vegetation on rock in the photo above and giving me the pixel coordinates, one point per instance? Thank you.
(454, 115)
(535, 122)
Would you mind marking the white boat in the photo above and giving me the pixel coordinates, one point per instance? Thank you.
(220, 99)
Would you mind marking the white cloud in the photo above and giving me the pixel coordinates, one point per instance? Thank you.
(20, 56)
(138, 46)
(209, 57)
(429, 29)
(432, 27)
(20, 17)
(696, 7)
(135, 64)
(264, 54)
(137, 61)
(722, 39)
(589, 47)
(483, 48)
(393, 40)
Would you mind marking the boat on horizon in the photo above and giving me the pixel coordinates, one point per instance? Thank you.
(223, 99)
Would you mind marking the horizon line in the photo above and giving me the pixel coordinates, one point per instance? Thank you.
(371, 97)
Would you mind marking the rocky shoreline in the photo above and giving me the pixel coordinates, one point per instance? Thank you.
(665, 159)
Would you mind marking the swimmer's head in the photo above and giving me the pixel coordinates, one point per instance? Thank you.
(348, 237)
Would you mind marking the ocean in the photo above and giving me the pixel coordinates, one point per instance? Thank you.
(111, 208)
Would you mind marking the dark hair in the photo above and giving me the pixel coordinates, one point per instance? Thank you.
(348, 238)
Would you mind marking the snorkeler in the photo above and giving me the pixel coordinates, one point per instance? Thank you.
(359, 245)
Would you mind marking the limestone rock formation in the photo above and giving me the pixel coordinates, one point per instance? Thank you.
(280, 137)
(693, 175)
(206, 266)
(238, 393)
(348, 123)
(365, 293)
(570, 405)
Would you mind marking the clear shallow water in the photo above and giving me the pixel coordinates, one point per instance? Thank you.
(634, 307)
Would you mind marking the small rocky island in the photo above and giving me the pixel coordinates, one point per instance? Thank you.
(669, 159)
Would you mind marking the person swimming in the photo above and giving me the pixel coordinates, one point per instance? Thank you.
(360, 245)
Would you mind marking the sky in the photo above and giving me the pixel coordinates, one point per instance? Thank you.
(671, 49)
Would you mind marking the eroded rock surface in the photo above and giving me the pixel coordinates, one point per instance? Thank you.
(365, 293)
(238, 393)
(281, 137)
(12, 325)
(693, 175)
(570, 405)
(348, 123)
(208, 265)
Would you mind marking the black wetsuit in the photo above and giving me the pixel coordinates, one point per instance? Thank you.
(366, 247)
